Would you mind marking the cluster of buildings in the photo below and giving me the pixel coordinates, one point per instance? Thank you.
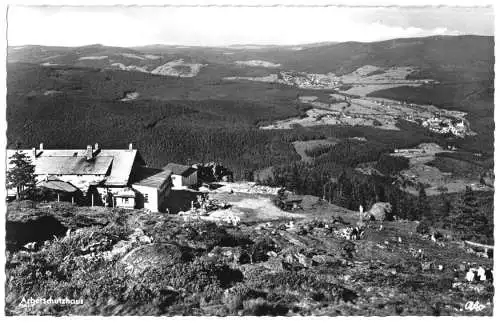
(107, 177)
(308, 81)
(445, 125)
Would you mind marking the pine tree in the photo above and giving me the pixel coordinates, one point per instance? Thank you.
(21, 175)
(468, 219)
(445, 210)
(423, 207)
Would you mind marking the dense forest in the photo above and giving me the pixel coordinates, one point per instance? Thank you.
(466, 215)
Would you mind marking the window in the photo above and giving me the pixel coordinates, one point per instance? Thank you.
(146, 198)
(125, 200)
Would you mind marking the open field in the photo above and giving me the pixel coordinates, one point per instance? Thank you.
(370, 78)
(435, 180)
(251, 208)
(258, 63)
(178, 68)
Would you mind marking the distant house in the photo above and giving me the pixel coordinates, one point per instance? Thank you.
(182, 175)
(292, 202)
(115, 178)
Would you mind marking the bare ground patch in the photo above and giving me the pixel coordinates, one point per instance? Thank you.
(302, 146)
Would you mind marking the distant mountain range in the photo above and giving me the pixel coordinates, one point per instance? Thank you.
(204, 100)
(439, 57)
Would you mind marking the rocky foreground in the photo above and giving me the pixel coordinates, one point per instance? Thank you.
(136, 263)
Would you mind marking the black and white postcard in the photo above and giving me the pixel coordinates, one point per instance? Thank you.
(249, 160)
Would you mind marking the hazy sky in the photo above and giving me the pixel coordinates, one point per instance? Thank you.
(129, 26)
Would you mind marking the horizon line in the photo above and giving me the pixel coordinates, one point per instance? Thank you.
(252, 44)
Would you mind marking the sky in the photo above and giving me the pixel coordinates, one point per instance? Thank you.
(222, 26)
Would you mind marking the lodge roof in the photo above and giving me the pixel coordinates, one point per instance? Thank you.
(179, 169)
(69, 165)
(150, 177)
(115, 163)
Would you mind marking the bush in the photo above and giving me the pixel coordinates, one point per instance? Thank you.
(195, 276)
(258, 251)
(260, 307)
(391, 165)
(212, 235)
(423, 228)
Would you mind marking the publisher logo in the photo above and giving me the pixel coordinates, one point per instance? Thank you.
(474, 306)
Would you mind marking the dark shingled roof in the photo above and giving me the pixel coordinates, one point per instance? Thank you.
(293, 198)
(150, 177)
(58, 185)
(179, 169)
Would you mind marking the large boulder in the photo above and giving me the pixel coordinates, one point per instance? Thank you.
(324, 259)
(156, 255)
(379, 211)
(229, 255)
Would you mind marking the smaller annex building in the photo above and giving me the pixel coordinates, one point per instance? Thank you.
(182, 175)
(153, 189)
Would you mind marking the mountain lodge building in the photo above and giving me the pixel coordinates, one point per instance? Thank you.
(106, 177)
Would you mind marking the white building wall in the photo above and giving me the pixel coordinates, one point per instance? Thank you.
(123, 202)
(113, 201)
(177, 181)
(153, 202)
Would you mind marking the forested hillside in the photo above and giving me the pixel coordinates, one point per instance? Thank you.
(206, 118)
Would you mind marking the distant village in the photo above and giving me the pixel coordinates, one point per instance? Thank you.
(437, 123)
(309, 80)
(443, 125)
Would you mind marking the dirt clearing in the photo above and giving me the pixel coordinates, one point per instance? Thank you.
(302, 146)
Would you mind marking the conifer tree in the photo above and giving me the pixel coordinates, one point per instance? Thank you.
(21, 175)
(423, 207)
(468, 219)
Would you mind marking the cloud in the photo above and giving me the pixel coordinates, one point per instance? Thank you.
(129, 26)
(379, 31)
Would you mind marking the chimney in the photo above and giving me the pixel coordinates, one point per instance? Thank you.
(89, 154)
(97, 149)
(41, 147)
(130, 147)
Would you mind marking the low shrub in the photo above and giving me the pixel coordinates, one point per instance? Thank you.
(260, 307)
